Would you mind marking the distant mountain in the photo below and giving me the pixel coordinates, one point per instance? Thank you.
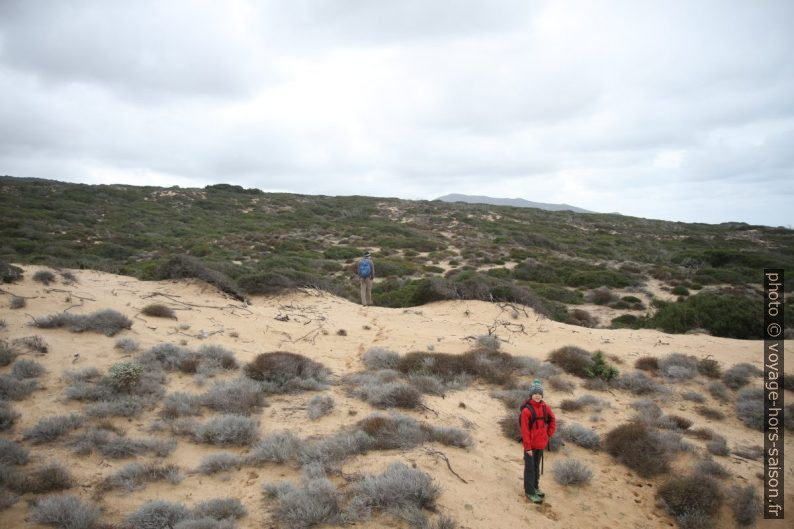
(515, 202)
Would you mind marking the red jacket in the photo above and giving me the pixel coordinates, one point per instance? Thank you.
(538, 437)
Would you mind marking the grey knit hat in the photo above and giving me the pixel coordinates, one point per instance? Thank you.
(536, 387)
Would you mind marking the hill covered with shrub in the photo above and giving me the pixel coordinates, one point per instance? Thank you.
(248, 242)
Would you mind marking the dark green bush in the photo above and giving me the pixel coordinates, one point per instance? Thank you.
(725, 315)
(600, 368)
(598, 278)
(625, 320)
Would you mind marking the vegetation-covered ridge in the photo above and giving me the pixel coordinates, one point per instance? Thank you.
(250, 242)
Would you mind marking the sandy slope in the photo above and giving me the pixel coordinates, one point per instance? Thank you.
(491, 496)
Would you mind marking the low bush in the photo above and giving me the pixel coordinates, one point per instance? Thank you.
(400, 431)
(7, 498)
(15, 389)
(214, 358)
(107, 322)
(625, 321)
(583, 402)
(157, 514)
(693, 396)
(719, 391)
(718, 445)
(12, 453)
(571, 471)
(678, 366)
(128, 345)
(65, 512)
(673, 422)
(709, 467)
(647, 410)
(277, 447)
(400, 491)
(692, 500)
(573, 360)
(220, 509)
(116, 446)
(125, 376)
(27, 369)
(44, 276)
(739, 375)
(377, 358)
(746, 505)
(135, 476)
(214, 463)
(456, 370)
(710, 413)
(125, 406)
(381, 390)
(283, 372)
(47, 478)
(671, 441)
(33, 343)
(581, 435)
(319, 406)
(315, 503)
(17, 302)
(7, 353)
(633, 445)
(158, 310)
(710, 368)
(180, 405)
(7, 415)
(228, 429)
(638, 383)
(51, 428)
(753, 453)
(750, 407)
(582, 318)
(330, 452)
(240, 396)
(602, 296)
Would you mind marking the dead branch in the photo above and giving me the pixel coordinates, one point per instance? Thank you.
(441, 455)
(16, 295)
(429, 409)
(71, 294)
(173, 298)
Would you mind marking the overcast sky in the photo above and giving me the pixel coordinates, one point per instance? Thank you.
(680, 110)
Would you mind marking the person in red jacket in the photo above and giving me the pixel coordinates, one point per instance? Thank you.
(535, 435)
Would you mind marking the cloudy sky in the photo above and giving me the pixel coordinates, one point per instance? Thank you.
(677, 109)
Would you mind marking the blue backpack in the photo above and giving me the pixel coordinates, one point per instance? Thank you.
(364, 268)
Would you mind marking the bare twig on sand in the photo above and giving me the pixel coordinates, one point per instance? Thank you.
(441, 455)
(185, 303)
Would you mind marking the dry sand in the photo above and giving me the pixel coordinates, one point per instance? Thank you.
(491, 496)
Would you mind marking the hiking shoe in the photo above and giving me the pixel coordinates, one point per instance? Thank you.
(535, 498)
(540, 493)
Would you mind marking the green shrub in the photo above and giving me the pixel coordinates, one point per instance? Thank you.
(600, 368)
(125, 375)
(725, 315)
(680, 291)
(625, 321)
(598, 278)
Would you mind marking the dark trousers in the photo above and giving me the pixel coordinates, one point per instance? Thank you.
(532, 471)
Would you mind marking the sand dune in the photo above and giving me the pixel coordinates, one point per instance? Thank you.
(311, 323)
